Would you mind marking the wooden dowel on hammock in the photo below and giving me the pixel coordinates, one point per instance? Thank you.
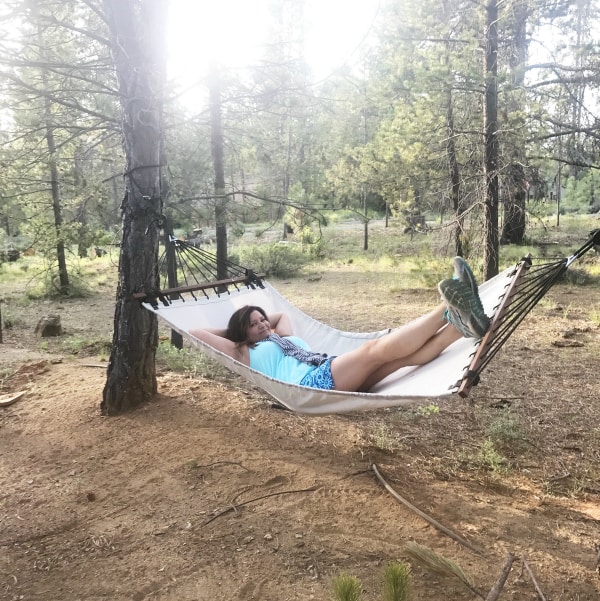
(473, 370)
(195, 287)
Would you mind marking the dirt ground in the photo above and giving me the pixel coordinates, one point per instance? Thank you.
(210, 493)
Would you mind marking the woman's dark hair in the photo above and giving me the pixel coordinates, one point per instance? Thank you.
(239, 323)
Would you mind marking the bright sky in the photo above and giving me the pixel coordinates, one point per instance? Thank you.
(234, 31)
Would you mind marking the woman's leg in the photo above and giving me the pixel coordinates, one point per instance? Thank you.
(351, 370)
(428, 352)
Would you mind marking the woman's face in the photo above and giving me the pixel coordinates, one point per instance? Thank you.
(258, 327)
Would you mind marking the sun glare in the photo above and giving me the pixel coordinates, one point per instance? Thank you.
(234, 33)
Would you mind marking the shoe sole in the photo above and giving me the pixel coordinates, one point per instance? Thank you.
(464, 300)
(457, 294)
(463, 273)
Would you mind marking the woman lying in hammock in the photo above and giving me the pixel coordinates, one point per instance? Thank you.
(267, 344)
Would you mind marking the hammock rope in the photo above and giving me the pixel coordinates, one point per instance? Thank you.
(200, 271)
(528, 286)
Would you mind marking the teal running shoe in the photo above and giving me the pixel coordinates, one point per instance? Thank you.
(465, 311)
(463, 273)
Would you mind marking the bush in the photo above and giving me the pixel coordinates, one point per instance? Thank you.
(275, 260)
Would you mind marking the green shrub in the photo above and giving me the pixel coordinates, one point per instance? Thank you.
(274, 260)
(490, 459)
(397, 585)
(347, 588)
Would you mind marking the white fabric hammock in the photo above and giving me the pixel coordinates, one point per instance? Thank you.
(439, 378)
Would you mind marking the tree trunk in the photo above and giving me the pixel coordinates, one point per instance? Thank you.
(137, 38)
(454, 176)
(453, 165)
(63, 276)
(513, 230)
(216, 140)
(491, 252)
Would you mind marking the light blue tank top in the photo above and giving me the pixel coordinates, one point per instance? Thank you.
(268, 358)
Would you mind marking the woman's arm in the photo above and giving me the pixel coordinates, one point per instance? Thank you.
(216, 339)
(281, 324)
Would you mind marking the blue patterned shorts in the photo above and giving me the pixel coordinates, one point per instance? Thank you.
(320, 377)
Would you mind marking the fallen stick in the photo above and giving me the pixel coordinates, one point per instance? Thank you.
(426, 517)
(497, 588)
(7, 400)
(534, 580)
(272, 494)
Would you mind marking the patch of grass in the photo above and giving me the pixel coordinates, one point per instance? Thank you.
(84, 347)
(181, 360)
(10, 321)
(5, 374)
(276, 260)
(347, 588)
(505, 430)
(490, 459)
(384, 438)
(188, 360)
(397, 583)
(427, 410)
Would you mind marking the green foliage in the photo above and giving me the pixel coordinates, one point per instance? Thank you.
(397, 585)
(489, 458)
(84, 347)
(397, 582)
(384, 438)
(180, 360)
(347, 588)
(505, 429)
(428, 410)
(187, 360)
(582, 194)
(275, 260)
(312, 244)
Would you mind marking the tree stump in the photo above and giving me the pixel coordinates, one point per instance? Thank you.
(49, 326)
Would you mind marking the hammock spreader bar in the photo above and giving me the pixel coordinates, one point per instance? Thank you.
(527, 287)
(200, 270)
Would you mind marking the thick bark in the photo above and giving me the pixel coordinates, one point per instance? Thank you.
(513, 231)
(217, 150)
(63, 276)
(137, 36)
(491, 252)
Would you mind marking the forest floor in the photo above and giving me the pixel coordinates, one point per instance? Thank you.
(208, 492)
